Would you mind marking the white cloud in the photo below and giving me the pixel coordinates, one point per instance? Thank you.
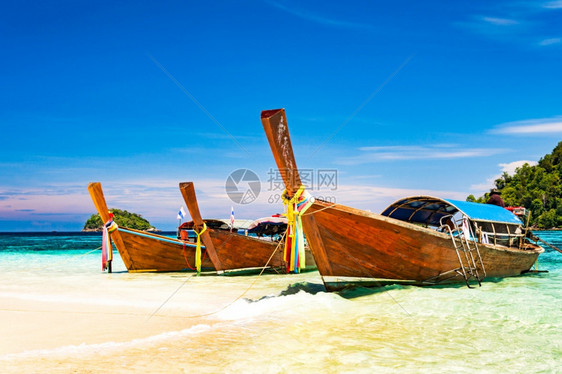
(500, 21)
(508, 168)
(550, 41)
(529, 127)
(442, 152)
(377, 198)
(366, 197)
(309, 16)
(159, 200)
(519, 22)
(553, 4)
(480, 188)
(156, 200)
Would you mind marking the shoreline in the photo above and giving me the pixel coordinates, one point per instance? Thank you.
(71, 233)
(47, 326)
(161, 232)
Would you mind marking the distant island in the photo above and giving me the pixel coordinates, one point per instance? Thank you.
(536, 188)
(122, 218)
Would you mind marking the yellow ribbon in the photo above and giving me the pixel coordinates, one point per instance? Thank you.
(294, 242)
(198, 248)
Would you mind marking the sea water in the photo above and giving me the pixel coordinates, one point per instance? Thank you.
(265, 323)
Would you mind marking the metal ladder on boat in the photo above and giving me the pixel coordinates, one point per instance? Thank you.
(468, 253)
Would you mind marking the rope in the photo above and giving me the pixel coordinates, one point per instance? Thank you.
(160, 307)
(236, 299)
(169, 297)
(155, 237)
(187, 262)
(319, 210)
(185, 257)
(247, 289)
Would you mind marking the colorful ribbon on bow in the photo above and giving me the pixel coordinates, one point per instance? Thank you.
(106, 248)
(198, 248)
(294, 253)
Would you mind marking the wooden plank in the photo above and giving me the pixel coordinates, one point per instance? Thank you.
(238, 251)
(277, 131)
(188, 192)
(316, 243)
(98, 198)
(153, 252)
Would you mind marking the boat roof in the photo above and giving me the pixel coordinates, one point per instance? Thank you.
(430, 210)
(221, 223)
(268, 221)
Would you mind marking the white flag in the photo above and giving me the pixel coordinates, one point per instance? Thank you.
(181, 213)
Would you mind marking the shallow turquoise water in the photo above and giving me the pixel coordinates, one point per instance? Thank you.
(289, 323)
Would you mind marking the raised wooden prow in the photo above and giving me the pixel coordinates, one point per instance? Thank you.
(96, 194)
(188, 192)
(275, 125)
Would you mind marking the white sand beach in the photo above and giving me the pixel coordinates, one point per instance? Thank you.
(61, 314)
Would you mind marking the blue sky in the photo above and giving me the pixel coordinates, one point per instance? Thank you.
(400, 98)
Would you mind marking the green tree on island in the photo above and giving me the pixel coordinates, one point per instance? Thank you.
(122, 218)
(537, 188)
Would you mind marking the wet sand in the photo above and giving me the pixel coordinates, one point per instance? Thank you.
(43, 336)
(31, 325)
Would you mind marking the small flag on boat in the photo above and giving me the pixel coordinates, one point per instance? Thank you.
(181, 213)
(231, 217)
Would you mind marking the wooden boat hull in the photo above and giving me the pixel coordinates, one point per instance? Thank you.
(144, 252)
(351, 246)
(237, 251)
(150, 252)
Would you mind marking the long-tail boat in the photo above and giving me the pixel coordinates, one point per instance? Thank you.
(145, 251)
(221, 250)
(230, 250)
(418, 240)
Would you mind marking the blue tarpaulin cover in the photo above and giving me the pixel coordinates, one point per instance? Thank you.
(430, 210)
(485, 212)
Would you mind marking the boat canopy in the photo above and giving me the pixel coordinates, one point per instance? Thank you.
(268, 226)
(429, 210)
(219, 224)
(273, 220)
